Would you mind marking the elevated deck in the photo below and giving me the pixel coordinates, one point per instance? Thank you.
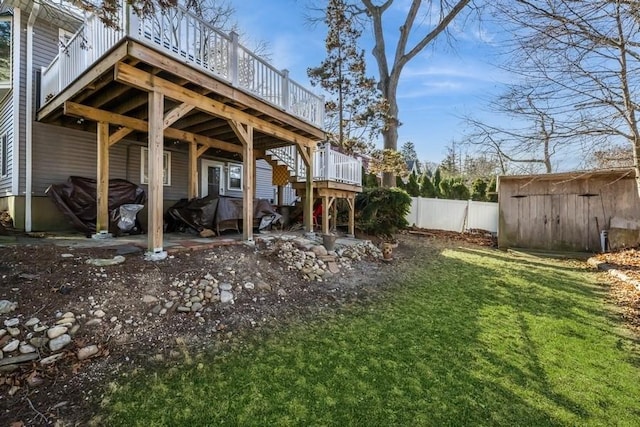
(172, 79)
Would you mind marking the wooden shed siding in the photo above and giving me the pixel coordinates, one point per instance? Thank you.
(6, 127)
(564, 214)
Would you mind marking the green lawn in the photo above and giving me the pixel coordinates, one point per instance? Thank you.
(465, 337)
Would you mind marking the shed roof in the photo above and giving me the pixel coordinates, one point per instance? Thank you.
(614, 173)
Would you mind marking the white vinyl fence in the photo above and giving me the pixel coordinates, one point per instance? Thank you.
(453, 215)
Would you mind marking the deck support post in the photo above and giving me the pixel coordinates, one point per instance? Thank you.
(280, 200)
(102, 180)
(326, 206)
(306, 153)
(245, 134)
(334, 216)
(352, 215)
(192, 191)
(155, 173)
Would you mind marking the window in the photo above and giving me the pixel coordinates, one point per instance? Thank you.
(234, 181)
(4, 146)
(5, 52)
(144, 169)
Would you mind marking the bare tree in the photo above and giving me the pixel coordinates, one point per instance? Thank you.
(587, 56)
(392, 62)
(424, 23)
(532, 134)
(356, 112)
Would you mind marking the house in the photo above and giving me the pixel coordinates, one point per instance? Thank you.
(412, 167)
(568, 211)
(165, 101)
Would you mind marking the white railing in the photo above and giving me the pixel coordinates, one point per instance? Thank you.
(180, 34)
(328, 165)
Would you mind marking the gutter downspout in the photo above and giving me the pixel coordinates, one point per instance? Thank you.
(29, 119)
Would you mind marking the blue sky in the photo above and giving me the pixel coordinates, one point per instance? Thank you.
(436, 88)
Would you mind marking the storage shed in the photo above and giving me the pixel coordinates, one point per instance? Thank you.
(566, 211)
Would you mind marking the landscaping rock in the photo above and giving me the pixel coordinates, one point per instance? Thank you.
(56, 331)
(102, 262)
(9, 323)
(11, 346)
(52, 359)
(87, 352)
(59, 342)
(226, 297)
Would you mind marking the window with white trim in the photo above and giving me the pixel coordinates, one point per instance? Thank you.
(234, 177)
(144, 168)
(5, 51)
(4, 156)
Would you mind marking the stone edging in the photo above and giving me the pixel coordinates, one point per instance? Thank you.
(609, 268)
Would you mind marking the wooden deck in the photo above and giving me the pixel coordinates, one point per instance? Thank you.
(171, 79)
(117, 87)
(137, 93)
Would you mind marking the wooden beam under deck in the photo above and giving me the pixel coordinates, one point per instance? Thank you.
(148, 82)
(90, 113)
(151, 57)
(83, 81)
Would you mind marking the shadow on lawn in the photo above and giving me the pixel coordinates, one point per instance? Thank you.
(556, 280)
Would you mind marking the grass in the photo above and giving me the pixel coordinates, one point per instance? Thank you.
(469, 337)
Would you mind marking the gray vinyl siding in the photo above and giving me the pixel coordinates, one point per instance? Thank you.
(62, 152)
(6, 127)
(264, 189)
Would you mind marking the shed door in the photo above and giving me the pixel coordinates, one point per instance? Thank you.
(559, 222)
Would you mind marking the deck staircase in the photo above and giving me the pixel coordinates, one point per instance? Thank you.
(284, 164)
(328, 165)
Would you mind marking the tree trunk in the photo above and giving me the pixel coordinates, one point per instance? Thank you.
(627, 97)
(390, 136)
(389, 87)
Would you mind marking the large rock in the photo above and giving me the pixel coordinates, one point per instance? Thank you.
(226, 297)
(59, 342)
(7, 306)
(87, 352)
(56, 331)
(620, 238)
(319, 250)
(11, 346)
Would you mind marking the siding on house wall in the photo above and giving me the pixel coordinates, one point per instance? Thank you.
(6, 127)
(264, 189)
(60, 152)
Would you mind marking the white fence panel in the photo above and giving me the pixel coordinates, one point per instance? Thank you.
(453, 215)
(483, 216)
